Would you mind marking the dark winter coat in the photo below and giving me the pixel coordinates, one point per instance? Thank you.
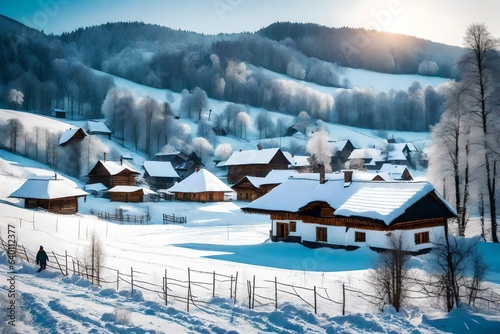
(41, 257)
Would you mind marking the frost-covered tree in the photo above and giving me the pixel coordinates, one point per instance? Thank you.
(244, 120)
(201, 147)
(223, 151)
(321, 153)
(302, 122)
(16, 98)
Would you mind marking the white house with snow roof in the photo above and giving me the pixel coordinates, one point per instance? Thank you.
(53, 194)
(201, 186)
(344, 212)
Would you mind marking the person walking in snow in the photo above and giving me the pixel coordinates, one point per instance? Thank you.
(41, 259)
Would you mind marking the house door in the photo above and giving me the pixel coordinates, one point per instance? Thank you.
(281, 231)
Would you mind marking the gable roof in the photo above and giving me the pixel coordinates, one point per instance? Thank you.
(68, 134)
(200, 181)
(384, 201)
(297, 160)
(367, 153)
(252, 157)
(97, 127)
(160, 169)
(47, 189)
(395, 171)
(116, 167)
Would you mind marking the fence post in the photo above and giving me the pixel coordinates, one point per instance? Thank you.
(166, 287)
(235, 286)
(73, 261)
(315, 302)
(213, 290)
(117, 280)
(131, 282)
(253, 293)
(26, 254)
(189, 288)
(275, 293)
(66, 258)
(343, 298)
(249, 291)
(62, 272)
(231, 288)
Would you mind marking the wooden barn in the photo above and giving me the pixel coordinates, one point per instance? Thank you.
(184, 164)
(95, 127)
(255, 163)
(160, 174)
(112, 173)
(339, 213)
(250, 188)
(201, 186)
(132, 194)
(71, 136)
(55, 195)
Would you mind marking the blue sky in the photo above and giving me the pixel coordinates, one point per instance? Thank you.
(441, 21)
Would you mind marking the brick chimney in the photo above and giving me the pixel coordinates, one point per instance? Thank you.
(259, 147)
(348, 176)
(321, 174)
(197, 169)
(104, 156)
(121, 159)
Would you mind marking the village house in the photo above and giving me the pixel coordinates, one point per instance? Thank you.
(184, 164)
(53, 194)
(112, 173)
(336, 210)
(71, 136)
(255, 163)
(130, 194)
(366, 158)
(159, 174)
(95, 127)
(250, 188)
(397, 172)
(341, 151)
(201, 186)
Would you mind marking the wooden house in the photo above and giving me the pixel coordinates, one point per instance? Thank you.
(201, 186)
(160, 174)
(250, 188)
(54, 194)
(255, 163)
(132, 194)
(341, 152)
(184, 164)
(366, 158)
(343, 213)
(397, 172)
(95, 127)
(60, 113)
(112, 173)
(72, 135)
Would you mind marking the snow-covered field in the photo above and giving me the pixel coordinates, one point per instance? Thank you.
(217, 237)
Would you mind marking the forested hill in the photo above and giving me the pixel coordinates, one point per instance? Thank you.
(367, 49)
(277, 68)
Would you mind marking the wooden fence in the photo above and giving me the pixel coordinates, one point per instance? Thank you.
(173, 219)
(122, 218)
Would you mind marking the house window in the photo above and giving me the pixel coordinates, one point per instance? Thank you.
(359, 237)
(321, 234)
(422, 238)
(293, 226)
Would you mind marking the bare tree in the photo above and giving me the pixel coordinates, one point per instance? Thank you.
(479, 79)
(391, 278)
(16, 98)
(16, 131)
(95, 257)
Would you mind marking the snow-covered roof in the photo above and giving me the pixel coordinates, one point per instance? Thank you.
(263, 156)
(337, 146)
(97, 127)
(297, 160)
(390, 168)
(367, 153)
(68, 134)
(396, 155)
(116, 167)
(160, 169)
(377, 200)
(278, 176)
(130, 189)
(40, 188)
(95, 187)
(200, 181)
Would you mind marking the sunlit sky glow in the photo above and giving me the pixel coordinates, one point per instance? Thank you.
(442, 21)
